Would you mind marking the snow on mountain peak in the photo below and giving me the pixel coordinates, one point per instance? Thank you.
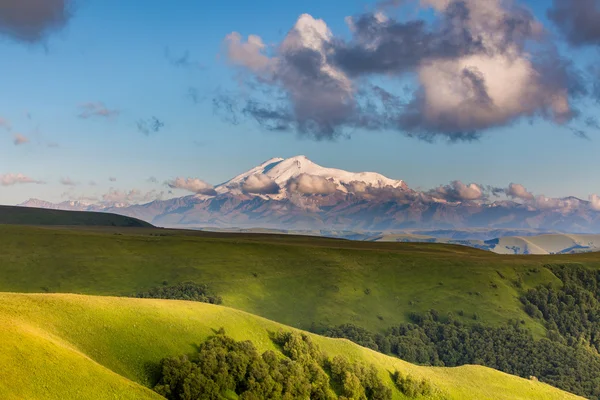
(281, 171)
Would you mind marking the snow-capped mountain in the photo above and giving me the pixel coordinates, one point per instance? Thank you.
(65, 205)
(296, 193)
(282, 171)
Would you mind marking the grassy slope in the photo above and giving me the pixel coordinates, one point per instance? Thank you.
(38, 216)
(298, 281)
(79, 347)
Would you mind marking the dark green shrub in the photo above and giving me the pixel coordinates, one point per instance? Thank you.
(410, 386)
(190, 291)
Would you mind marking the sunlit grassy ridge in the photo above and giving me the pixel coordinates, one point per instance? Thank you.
(293, 280)
(78, 347)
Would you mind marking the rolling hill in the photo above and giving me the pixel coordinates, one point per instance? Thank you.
(80, 347)
(295, 280)
(318, 284)
(39, 216)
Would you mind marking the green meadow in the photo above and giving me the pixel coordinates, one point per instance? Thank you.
(57, 346)
(297, 281)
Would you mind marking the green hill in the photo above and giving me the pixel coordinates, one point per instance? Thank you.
(316, 284)
(298, 281)
(82, 347)
(39, 216)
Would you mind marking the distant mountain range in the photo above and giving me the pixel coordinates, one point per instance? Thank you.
(297, 194)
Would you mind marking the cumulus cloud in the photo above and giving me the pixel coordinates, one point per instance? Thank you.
(311, 184)
(247, 53)
(20, 139)
(385, 193)
(260, 184)
(15, 179)
(458, 191)
(316, 83)
(550, 203)
(316, 97)
(96, 109)
(193, 185)
(31, 20)
(595, 202)
(68, 182)
(517, 191)
(578, 20)
(357, 187)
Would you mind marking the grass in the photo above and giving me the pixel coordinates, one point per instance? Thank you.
(39, 216)
(60, 346)
(298, 281)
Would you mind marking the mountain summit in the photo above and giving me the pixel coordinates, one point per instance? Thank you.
(283, 171)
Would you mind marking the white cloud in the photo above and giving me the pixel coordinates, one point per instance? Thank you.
(549, 203)
(260, 184)
(458, 191)
(518, 191)
(471, 91)
(249, 54)
(311, 184)
(15, 179)
(193, 185)
(595, 202)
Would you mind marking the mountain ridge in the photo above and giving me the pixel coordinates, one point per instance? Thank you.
(296, 193)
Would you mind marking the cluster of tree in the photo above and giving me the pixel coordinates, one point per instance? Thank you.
(410, 386)
(432, 340)
(182, 291)
(224, 368)
(571, 312)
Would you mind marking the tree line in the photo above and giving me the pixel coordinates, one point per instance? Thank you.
(223, 368)
(568, 358)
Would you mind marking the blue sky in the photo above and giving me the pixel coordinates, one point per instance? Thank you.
(115, 54)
